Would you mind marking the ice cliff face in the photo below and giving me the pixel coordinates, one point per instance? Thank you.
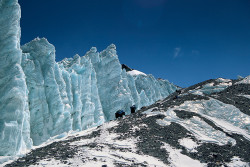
(14, 109)
(40, 98)
(107, 88)
(48, 101)
(81, 92)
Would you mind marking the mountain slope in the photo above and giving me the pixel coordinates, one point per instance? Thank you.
(204, 125)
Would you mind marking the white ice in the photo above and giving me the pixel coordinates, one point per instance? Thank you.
(136, 72)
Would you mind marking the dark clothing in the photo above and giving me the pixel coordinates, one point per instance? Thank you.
(119, 113)
(178, 91)
(132, 109)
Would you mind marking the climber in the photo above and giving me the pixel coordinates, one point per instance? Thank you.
(178, 91)
(133, 109)
(119, 113)
(175, 97)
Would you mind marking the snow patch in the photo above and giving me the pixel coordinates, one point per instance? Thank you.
(200, 129)
(211, 87)
(226, 116)
(189, 144)
(163, 122)
(136, 72)
(223, 80)
(179, 160)
(246, 96)
(236, 162)
(244, 81)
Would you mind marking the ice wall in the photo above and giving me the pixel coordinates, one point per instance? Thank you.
(115, 88)
(111, 81)
(48, 102)
(87, 108)
(40, 98)
(14, 110)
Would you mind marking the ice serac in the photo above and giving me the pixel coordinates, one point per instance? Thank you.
(112, 85)
(40, 98)
(48, 100)
(149, 88)
(119, 89)
(87, 109)
(100, 86)
(14, 111)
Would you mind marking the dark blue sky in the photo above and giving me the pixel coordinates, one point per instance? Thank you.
(184, 41)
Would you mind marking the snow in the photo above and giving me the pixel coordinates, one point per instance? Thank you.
(137, 128)
(150, 161)
(6, 159)
(212, 87)
(196, 92)
(223, 80)
(43, 101)
(136, 72)
(177, 159)
(149, 110)
(200, 129)
(189, 144)
(247, 96)
(226, 113)
(162, 122)
(236, 162)
(229, 127)
(226, 116)
(246, 80)
(87, 156)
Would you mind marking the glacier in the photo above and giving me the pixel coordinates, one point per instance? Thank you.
(41, 98)
(14, 109)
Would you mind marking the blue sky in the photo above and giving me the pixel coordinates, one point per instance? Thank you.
(184, 41)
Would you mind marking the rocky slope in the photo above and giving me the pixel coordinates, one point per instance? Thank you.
(206, 124)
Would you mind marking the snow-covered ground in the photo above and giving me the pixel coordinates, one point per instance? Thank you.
(190, 130)
(177, 159)
(226, 116)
